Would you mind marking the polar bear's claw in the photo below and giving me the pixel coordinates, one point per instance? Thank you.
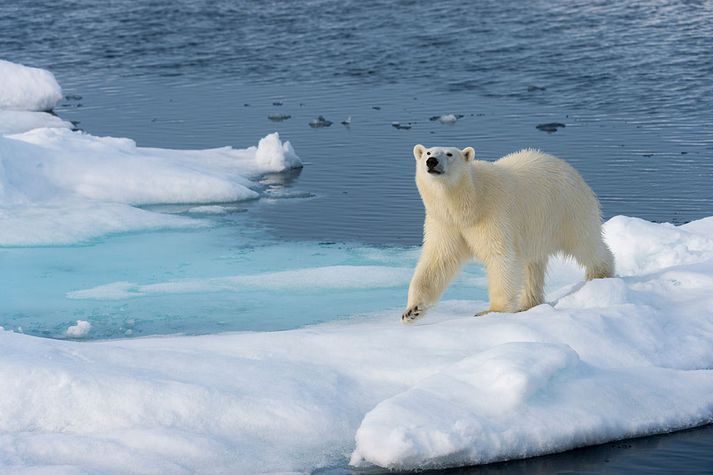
(411, 314)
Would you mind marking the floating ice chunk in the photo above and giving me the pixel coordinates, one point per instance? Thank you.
(276, 156)
(80, 330)
(26, 88)
(279, 117)
(448, 119)
(320, 122)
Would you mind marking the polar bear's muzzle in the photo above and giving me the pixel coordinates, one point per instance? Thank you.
(433, 166)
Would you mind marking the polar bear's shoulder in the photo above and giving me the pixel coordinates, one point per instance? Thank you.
(527, 155)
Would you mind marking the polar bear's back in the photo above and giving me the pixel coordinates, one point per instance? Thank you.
(547, 197)
(537, 172)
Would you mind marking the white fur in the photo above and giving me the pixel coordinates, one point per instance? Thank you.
(511, 215)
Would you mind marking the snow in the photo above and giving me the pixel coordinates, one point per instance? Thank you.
(80, 330)
(602, 360)
(24, 88)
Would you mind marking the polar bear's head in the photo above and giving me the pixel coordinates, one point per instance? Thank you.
(442, 162)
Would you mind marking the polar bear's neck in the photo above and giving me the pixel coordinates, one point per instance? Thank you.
(465, 202)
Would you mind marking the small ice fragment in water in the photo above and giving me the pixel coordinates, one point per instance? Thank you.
(550, 127)
(347, 121)
(80, 330)
(320, 122)
(277, 103)
(278, 117)
(398, 125)
(448, 119)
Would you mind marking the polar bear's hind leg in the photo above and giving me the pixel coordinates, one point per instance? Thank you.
(533, 293)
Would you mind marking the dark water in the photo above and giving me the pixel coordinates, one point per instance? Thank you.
(631, 81)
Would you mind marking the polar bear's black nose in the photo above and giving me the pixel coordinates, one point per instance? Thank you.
(431, 162)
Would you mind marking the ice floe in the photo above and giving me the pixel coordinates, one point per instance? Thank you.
(602, 360)
(59, 186)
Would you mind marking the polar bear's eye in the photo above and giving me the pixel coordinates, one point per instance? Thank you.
(449, 154)
(428, 153)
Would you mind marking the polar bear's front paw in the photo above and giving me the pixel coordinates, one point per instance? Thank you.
(412, 313)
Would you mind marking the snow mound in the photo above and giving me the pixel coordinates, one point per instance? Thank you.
(273, 155)
(59, 187)
(24, 88)
(611, 359)
(518, 400)
(641, 247)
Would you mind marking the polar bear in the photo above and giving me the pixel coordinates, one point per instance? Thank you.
(512, 215)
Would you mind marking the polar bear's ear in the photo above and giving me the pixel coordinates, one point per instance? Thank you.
(468, 153)
(418, 151)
